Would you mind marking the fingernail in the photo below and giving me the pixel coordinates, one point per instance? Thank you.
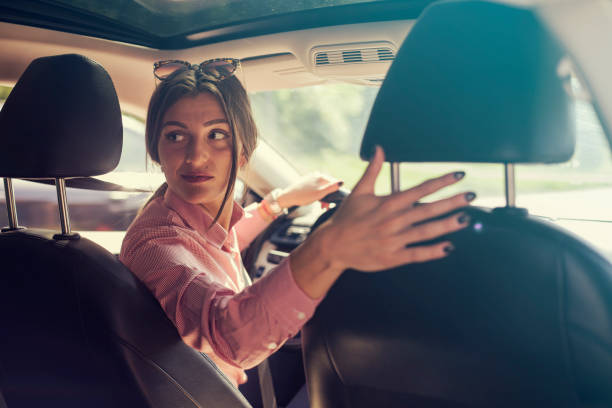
(459, 175)
(449, 248)
(340, 183)
(463, 219)
(470, 196)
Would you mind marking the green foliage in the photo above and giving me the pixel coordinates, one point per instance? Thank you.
(320, 128)
(310, 120)
(4, 92)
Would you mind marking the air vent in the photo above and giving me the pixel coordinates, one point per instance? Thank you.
(353, 56)
(363, 63)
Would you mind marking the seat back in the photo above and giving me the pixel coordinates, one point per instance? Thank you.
(77, 328)
(520, 314)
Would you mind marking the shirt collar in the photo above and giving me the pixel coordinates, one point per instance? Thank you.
(196, 217)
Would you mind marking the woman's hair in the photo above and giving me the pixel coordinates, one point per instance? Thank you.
(232, 97)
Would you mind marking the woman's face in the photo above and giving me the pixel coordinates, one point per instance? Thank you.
(195, 150)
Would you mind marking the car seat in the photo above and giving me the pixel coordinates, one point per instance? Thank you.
(520, 314)
(78, 330)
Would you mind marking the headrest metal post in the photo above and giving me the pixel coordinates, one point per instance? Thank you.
(510, 185)
(395, 177)
(10, 204)
(60, 186)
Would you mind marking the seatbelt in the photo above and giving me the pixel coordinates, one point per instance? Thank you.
(266, 386)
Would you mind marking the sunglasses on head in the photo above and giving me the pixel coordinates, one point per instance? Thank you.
(217, 69)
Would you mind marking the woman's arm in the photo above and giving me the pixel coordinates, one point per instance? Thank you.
(371, 233)
(251, 225)
(242, 328)
(308, 189)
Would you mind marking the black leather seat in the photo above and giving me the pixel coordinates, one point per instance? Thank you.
(77, 328)
(520, 314)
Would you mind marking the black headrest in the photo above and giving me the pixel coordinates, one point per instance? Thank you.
(62, 119)
(474, 81)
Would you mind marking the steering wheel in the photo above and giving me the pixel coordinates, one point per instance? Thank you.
(250, 254)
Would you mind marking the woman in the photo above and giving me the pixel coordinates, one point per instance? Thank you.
(185, 244)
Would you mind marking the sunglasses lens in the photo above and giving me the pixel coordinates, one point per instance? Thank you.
(220, 69)
(164, 70)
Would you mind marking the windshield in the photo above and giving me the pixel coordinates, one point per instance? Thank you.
(320, 128)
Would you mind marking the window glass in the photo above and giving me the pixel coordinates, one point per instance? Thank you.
(320, 128)
(579, 189)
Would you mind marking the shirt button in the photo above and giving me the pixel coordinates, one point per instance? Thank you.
(271, 346)
(301, 315)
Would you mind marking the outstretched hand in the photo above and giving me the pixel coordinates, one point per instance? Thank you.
(372, 233)
(377, 232)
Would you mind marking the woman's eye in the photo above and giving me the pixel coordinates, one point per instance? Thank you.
(218, 135)
(175, 137)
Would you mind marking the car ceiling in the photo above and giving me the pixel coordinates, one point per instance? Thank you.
(275, 43)
(171, 24)
(278, 59)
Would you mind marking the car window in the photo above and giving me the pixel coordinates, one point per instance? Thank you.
(580, 189)
(320, 128)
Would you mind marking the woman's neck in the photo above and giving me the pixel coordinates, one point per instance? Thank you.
(226, 214)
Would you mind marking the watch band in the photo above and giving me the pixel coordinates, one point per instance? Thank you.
(270, 204)
(273, 202)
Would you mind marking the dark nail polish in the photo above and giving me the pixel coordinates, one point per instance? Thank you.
(470, 196)
(340, 183)
(449, 248)
(463, 219)
(459, 175)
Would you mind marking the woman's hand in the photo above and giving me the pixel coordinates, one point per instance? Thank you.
(308, 189)
(372, 233)
(376, 232)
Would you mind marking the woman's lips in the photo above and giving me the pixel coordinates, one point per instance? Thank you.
(195, 178)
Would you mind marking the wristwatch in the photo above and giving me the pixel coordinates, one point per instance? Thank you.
(272, 201)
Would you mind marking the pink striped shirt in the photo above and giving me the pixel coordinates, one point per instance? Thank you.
(198, 278)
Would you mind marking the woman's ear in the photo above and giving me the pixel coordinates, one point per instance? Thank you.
(242, 161)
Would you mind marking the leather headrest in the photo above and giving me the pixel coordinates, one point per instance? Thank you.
(62, 119)
(474, 81)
